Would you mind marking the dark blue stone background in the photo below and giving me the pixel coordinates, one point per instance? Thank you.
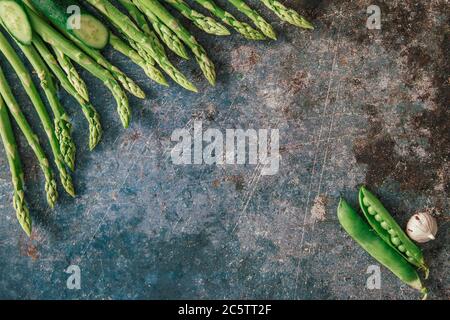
(353, 107)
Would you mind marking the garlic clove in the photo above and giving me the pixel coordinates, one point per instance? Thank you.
(422, 227)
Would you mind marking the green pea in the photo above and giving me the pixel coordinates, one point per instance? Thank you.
(366, 202)
(392, 232)
(385, 225)
(401, 248)
(378, 217)
(371, 211)
(409, 254)
(395, 241)
(411, 260)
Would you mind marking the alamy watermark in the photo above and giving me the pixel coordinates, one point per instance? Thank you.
(374, 20)
(74, 20)
(374, 280)
(234, 146)
(74, 280)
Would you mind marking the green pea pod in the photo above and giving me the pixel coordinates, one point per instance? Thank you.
(388, 229)
(361, 232)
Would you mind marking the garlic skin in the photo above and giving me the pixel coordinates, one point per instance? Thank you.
(422, 227)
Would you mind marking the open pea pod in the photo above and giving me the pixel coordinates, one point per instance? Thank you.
(388, 229)
(384, 253)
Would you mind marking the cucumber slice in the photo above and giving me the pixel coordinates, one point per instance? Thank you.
(15, 20)
(69, 15)
(92, 32)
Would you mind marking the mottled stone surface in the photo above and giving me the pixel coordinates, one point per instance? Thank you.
(353, 107)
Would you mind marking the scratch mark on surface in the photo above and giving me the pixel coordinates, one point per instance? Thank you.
(102, 220)
(257, 174)
(327, 144)
(306, 208)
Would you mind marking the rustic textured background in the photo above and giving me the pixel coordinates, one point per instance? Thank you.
(353, 107)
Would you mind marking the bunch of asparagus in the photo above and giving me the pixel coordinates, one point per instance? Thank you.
(52, 40)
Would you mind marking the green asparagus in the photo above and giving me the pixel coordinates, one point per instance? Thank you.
(257, 19)
(153, 40)
(200, 54)
(243, 28)
(141, 22)
(165, 33)
(15, 167)
(207, 24)
(91, 115)
(32, 139)
(128, 28)
(150, 70)
(137, 15)
(72, 74)
(127, 83)
(61, 120)
(154, 72)
(33, 94)
(287, 14)
(55, 39)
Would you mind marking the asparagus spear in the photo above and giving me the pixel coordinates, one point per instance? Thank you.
(131, 31)
(150, 70)
(118, 44)
(127, 83)
(287, 14)
(91, 115)
(166, 35)
(243, 28)
(137, 15)
(141, 21)
(61, 120)
(207, 24)
(72, 74)
(200, 54)
(15, 167)
(39, 106)
(54, 38)
(50, 183)
(257, 19)
(153, 39)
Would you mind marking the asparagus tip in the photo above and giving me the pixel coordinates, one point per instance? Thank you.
(308, 25)
(28, 231)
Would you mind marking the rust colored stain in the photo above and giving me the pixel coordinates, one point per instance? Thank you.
(238, 181)
(404, 27)
(244, 58)
(377, 151)
(298, 82)
(216, 183)
(28, 249)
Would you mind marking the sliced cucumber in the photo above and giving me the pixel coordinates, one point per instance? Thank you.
(70, 15)
(92, 32)
(15, 20)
